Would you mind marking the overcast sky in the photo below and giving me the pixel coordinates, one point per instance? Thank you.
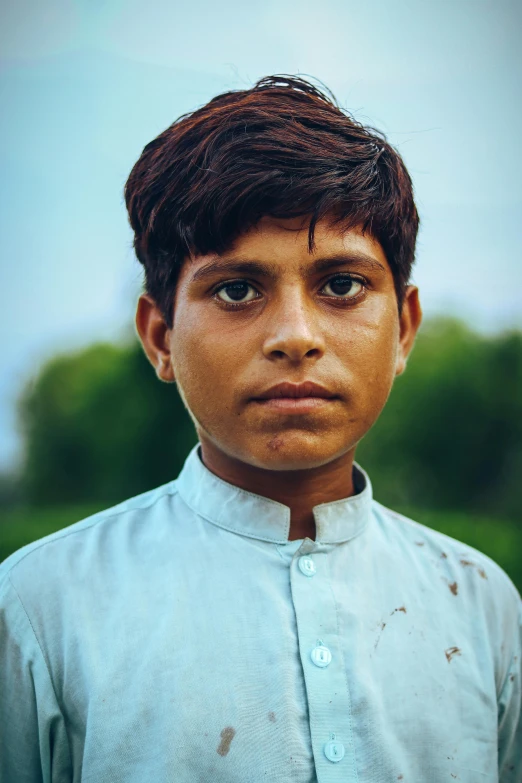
(85, 84)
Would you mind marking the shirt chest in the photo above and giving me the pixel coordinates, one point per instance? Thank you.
(301, 676)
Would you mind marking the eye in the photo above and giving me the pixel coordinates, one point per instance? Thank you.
(236, 292)
(343, 287)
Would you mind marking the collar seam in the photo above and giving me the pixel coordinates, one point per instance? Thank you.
(228, 528)
(357, 499)
(239, 490)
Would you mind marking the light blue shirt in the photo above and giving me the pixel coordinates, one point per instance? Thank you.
(180, 637)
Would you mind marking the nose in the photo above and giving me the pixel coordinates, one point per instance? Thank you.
(293, 332)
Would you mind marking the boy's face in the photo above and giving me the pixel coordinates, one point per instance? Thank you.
(269, 312)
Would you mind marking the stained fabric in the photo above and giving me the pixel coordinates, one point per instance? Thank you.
(180, 636)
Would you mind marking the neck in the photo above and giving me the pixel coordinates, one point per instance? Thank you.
(301, 490)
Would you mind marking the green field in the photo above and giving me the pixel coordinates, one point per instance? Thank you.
(500, 539)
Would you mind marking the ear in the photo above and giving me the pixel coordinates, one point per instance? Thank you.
(154, 335)
(410, 321)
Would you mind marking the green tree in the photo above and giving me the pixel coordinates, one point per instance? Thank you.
(98, 425)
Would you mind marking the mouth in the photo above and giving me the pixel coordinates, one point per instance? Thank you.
(296, 397)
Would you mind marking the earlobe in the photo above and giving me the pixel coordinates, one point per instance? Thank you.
(154, 335)
(400, 365)
(164, 369)
(409, 325)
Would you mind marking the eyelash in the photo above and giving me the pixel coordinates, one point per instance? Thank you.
(338, 299)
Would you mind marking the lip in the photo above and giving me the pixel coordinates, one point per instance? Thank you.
(294, 391)
(296, 404)
(286, 397)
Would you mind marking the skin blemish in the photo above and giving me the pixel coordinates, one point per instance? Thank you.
(274, 444)
(511, 677)
(227, 735)
(400, 777)
(272, 717)
(400, 609)
(451, 651)
(474, 565)
(443, 555)
(419, 543)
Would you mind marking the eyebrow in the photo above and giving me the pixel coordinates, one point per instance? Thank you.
(270, 270)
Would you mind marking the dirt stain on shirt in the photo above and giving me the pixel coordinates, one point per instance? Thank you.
(227, 735)
(382, 626)
(474, 565)
(451, 651)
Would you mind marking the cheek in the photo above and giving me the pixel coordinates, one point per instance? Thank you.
(205, 360)
(369, 352)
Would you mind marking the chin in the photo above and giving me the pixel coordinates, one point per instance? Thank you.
(291, 451)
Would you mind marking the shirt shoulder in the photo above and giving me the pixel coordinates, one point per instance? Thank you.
(487, 596)
(43, 558)
(444, 547)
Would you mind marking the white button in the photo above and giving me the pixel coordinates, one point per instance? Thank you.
(334, 751)
(321, 656)
(306, 565)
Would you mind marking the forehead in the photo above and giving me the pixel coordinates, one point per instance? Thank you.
(283, 244)
(291, 235)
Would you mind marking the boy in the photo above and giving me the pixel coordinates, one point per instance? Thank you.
(262, 617)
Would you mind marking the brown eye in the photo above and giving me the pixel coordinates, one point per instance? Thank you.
(343, 286)
(237, 291)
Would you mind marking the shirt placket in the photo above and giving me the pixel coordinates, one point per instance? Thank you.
(326, 683)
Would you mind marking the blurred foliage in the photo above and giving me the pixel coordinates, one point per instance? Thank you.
(99, 427)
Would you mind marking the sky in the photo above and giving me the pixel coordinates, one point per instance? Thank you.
(85, 84)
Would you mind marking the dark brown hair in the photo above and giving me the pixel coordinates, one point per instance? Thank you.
(282, 148)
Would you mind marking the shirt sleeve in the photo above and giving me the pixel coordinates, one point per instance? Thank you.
(510, 715)
(33, 740)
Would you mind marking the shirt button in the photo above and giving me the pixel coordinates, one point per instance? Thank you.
(334, 751)
(306, 565)
(321, 656)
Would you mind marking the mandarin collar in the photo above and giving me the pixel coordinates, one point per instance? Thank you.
(256, 516)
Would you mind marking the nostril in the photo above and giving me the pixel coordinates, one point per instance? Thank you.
(294, 347)
(295, 355)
